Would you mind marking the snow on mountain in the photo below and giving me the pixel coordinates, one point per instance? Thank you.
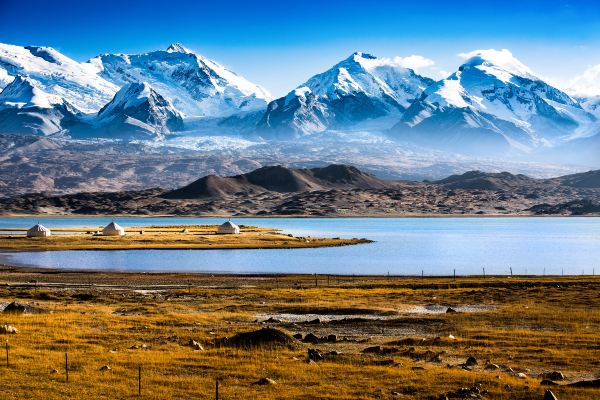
(358, 88)
(195, 85)
(492, 100)
(136, 111)
(56, 74)
(26, 109)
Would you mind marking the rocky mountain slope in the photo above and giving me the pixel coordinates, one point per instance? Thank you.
(492, 104)
(361, 87)
(279, 179)
(194, 84)
(336, 190)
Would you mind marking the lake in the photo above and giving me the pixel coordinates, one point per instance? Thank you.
(403, 246)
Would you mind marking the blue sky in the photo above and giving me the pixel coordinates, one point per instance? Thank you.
(279, 44)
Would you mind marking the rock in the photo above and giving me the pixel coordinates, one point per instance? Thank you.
(8, 330)
(195, 345)
(450, 310)
(521, 375)
(332, 338)
(372, 349)
(471, 361)
(554, 376)
(314, 355)
(272, 321)
(265, 337)
(451, 337)
(314, 321)
(492, 367)
(594, 383)
(265, 381)
(19, 308)
(548, 395)
(418, 368)
(298, 336)
(105, 368)
(54, 371)
(311, 338)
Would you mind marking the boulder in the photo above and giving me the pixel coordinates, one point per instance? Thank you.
(265, 381)
(8, 330)
(471, 361)
(372, 349)
(265, 337)
(553, 376)
(314, 355)
(311, 338)
(195, 345)
(548, 395)
(105, 368)
(450, 310)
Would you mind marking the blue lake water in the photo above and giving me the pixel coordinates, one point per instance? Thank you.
(403, 246)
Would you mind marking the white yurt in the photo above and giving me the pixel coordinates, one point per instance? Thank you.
(113, 229)
(228, 228)
(38, 231)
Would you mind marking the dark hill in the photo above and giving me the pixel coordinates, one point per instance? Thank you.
(590, 179)
(280, 179)
(478, 180)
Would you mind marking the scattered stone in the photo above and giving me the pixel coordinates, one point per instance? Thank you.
(314, 355)
(554, 376)
(8, 330)
(265, 381)
(548, 395)
(195, 345)
(311, 338)
(315, 321)
(595, 383)
(332, 338)
(298, 336)
(451, 337)
(450, 310)
(19, 308)
(492, 367)
(272, 320)
(474, 392)
(471, 361)
(105, 368)
(54, 371)
(372, 349)
(265, 337)
(521, 375)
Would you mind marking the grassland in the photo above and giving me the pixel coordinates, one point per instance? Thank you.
(123, 320)
(165, 237)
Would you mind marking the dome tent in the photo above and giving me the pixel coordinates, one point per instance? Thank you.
(38, 231)
(113, 229)
(228, 228)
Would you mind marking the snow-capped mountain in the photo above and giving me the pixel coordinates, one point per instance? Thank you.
(195, 85)
(26, 109)
(494, 103)
(136, 111)
(56, 74)
(359, 88)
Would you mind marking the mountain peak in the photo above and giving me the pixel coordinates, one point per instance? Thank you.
(497, 62)
(23, 92)
(177, 48)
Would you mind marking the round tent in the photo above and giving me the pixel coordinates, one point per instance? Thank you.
(38, 231)
(228, 228)
(113, 229)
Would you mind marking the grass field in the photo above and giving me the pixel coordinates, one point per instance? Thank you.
(522, 325)
(166, 237)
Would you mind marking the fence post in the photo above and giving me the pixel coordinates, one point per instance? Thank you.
(454, 273)
(217, 389)
(6, 353)
(67, 366)
(139, 380)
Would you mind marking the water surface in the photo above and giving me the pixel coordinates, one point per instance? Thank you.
(403, 246)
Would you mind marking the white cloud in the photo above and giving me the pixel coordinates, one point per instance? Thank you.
(586, 84)
(415, 62)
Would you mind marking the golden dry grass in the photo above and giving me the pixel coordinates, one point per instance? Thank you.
(535, 325)
(167, 237)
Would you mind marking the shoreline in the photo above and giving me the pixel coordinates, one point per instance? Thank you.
(308, 216)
